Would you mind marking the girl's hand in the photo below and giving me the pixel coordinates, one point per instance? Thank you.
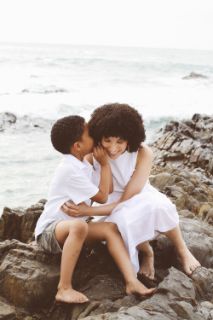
(100, 155)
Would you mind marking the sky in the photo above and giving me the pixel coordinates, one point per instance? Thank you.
(145, 23)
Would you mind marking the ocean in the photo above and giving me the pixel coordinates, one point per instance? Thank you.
(40, 83)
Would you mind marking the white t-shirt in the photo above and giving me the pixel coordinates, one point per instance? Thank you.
(72, 181)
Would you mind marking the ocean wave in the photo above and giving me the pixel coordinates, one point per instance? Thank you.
(47, 90)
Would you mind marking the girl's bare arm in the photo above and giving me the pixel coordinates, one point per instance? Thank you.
(141, 173)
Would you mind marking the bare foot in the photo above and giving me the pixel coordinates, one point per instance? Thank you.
(147, 266)
(189, 262)
(70, 296)
(137, 288)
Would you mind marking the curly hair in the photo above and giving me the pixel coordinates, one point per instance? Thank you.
(117, 120)
(66, 131)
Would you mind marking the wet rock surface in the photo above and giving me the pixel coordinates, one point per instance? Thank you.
(183, 171)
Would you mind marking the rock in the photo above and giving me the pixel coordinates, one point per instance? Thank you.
(194, 75)
(19, 223)
(203, 280)
(6, 120)
(28, 276)
(186, 214)
(187, 144)
(187, 190)
(209, 216)
(7, 312)
(175, 299)
(10, 122)
(199, 239)
(205, 310)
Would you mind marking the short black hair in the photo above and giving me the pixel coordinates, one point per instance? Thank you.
(66, 131)
(117, 120)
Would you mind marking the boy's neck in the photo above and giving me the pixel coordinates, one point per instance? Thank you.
(76, 155)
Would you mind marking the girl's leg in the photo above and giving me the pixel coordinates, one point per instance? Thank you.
(147, 265)
(71, 236)
(188, 261)
(106, 231)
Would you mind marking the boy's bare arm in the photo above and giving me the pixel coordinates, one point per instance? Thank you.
(89, 158)
(105, 176)
(84, 210)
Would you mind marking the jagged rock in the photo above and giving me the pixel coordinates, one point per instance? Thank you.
(187, 144)
(28, 276)
(194, 75)
(19, 223)
(203, 280)
(11, 123)
(186, 189)
(6, 120)
(205, 310)
(176, 298)
(7, 312)
(199, 239)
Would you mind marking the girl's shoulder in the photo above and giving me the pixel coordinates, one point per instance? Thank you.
(144, 152)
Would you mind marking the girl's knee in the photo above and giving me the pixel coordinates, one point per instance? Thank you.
(112, 227)
(78, 228)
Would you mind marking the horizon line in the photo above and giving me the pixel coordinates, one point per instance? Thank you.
(99, 45)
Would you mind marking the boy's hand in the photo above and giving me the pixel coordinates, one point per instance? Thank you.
(100, 155)
(74, 210)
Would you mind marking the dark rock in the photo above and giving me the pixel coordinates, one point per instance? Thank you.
(186, 144)
(203, 281)
(28, 277)
(199, 239)
(19, 223)
(175, 299)
(7, 312)
(194, 75)
(6, 120)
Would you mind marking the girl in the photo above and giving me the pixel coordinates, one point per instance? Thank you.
(142, 211)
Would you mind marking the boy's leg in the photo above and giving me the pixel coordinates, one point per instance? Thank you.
(147, 265)
(71, 236)
(106, 231)
(188, 261)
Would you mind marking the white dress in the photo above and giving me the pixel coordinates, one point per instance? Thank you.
(142, 217)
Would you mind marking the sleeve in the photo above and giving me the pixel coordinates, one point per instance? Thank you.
(80, 188)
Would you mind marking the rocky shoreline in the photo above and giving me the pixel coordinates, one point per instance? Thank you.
(183, 169)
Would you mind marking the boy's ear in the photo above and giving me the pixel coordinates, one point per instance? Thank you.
(76, 146)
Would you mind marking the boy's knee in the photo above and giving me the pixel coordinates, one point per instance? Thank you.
(78, 228)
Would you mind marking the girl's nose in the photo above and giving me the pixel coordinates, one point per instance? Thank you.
(113, 149)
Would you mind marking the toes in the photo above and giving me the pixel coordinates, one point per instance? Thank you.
(188, 270)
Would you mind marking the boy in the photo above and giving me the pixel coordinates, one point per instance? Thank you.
(58, 232)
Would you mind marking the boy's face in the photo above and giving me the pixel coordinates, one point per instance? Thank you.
(86, 142)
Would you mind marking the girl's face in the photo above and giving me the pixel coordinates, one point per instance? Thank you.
(114, 146)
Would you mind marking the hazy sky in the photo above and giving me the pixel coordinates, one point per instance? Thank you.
(147, 23)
